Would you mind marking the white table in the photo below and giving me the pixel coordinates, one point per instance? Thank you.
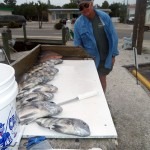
(77, 77)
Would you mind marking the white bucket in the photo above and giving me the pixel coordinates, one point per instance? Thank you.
(8, 118)
(68, 24)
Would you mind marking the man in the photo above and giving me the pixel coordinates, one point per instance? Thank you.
(94, 31)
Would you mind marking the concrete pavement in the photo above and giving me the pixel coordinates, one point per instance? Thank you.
(129, 103)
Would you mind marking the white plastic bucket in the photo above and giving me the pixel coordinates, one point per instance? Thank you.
(8, 118)
(68, 24)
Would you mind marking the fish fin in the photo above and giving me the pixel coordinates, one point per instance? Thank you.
(35, 104)
(27, 115)
(57, 128)
(26, 121)
(36, 90)
(31, 99)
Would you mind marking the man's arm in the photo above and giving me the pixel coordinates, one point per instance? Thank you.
(77, 38)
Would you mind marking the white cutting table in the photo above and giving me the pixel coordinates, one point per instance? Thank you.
(78, 77)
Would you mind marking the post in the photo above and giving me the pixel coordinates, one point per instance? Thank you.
(64, 35)
(141, 26)
(136, 23)
(24, 32)
(5, 43)
(9, 34)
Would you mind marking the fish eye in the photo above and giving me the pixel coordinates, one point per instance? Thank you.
(84, 123)
(68, 122)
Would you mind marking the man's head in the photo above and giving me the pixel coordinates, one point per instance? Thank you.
(86, 7)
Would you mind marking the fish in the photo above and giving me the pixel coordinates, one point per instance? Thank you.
(45, 88)
(56, 61)
(45, 74)
(24, 77)
(70, 126)
(35, 96)
(46, 63)
(48, 56)
(35, 110)
(49, 88)
(51, 71)
(44, 68)
(40, 74)
(32, 82)
(23, 94)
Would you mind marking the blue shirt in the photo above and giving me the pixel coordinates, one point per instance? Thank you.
(83, 36)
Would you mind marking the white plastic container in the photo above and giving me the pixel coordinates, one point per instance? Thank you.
(8, 118)
(68, 24)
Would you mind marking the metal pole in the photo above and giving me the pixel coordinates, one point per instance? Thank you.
(136, 63)
(5, 43)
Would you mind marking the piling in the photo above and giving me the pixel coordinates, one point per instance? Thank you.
(5, 39)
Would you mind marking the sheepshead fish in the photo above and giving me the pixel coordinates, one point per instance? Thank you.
(56, 61)
(45, 74)
(24, 93)
(29, 98)
(39, 88)
(70, 126)
(29, 113)
(39, 74)
(44, 88)
(35, 96)
(32, 82)
(46, 63)
(51, 71)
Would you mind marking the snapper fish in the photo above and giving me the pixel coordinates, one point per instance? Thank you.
(31, 112)
(70, 126)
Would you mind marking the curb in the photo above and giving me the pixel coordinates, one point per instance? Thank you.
(141, 78)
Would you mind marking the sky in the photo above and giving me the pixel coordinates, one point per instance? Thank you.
(62, 2)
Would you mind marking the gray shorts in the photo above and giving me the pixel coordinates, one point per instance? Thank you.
(102, 71)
